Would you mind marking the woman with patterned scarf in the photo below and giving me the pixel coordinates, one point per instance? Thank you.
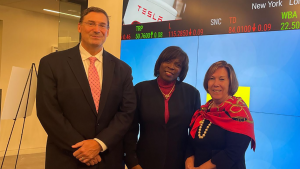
(222, 129)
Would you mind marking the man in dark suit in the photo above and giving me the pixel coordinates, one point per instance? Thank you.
(85, 100)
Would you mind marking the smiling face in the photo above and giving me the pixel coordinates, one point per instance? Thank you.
(94, 30)
(170, 69)
(218, 85)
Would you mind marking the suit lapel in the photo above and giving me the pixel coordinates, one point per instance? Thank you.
(108, 73)
(77, 67)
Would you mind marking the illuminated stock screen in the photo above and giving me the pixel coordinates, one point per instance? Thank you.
(260, 39)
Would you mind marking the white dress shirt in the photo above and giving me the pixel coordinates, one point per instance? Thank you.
(99, 66)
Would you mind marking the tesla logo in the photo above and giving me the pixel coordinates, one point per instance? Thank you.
(149, 13)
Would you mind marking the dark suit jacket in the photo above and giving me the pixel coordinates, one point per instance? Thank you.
(160, 146)
(67, 112)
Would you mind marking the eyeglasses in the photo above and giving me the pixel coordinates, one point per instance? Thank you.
(93, 25)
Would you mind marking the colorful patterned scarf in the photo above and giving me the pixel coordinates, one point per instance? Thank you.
(232, 115)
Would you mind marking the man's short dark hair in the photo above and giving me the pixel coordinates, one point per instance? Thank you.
(93, 9)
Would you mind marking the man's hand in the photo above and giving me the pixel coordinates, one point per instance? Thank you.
(94, 161)
(87, 150)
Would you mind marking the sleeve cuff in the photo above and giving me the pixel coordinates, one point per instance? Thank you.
(104, 147)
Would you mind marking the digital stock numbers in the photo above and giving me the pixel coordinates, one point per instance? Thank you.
(289, 20)
(146, 35)
(247, 28)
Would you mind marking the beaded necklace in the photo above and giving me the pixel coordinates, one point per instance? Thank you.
(201, 124)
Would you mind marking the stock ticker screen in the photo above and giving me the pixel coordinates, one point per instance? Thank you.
(259, 38)
(148, 19)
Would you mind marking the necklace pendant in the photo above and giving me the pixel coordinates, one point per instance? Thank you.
(167, 95)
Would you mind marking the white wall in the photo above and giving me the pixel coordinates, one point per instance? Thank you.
(1, 28)
(27, 37)
(68, 33)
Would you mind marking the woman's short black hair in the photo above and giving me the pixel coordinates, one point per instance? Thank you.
(170, 53)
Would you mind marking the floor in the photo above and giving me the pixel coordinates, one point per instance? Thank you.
(27, 161)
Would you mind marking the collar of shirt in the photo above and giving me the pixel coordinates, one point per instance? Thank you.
(85, 54)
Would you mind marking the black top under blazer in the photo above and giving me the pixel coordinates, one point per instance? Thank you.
(66, 109)
(160, 146)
